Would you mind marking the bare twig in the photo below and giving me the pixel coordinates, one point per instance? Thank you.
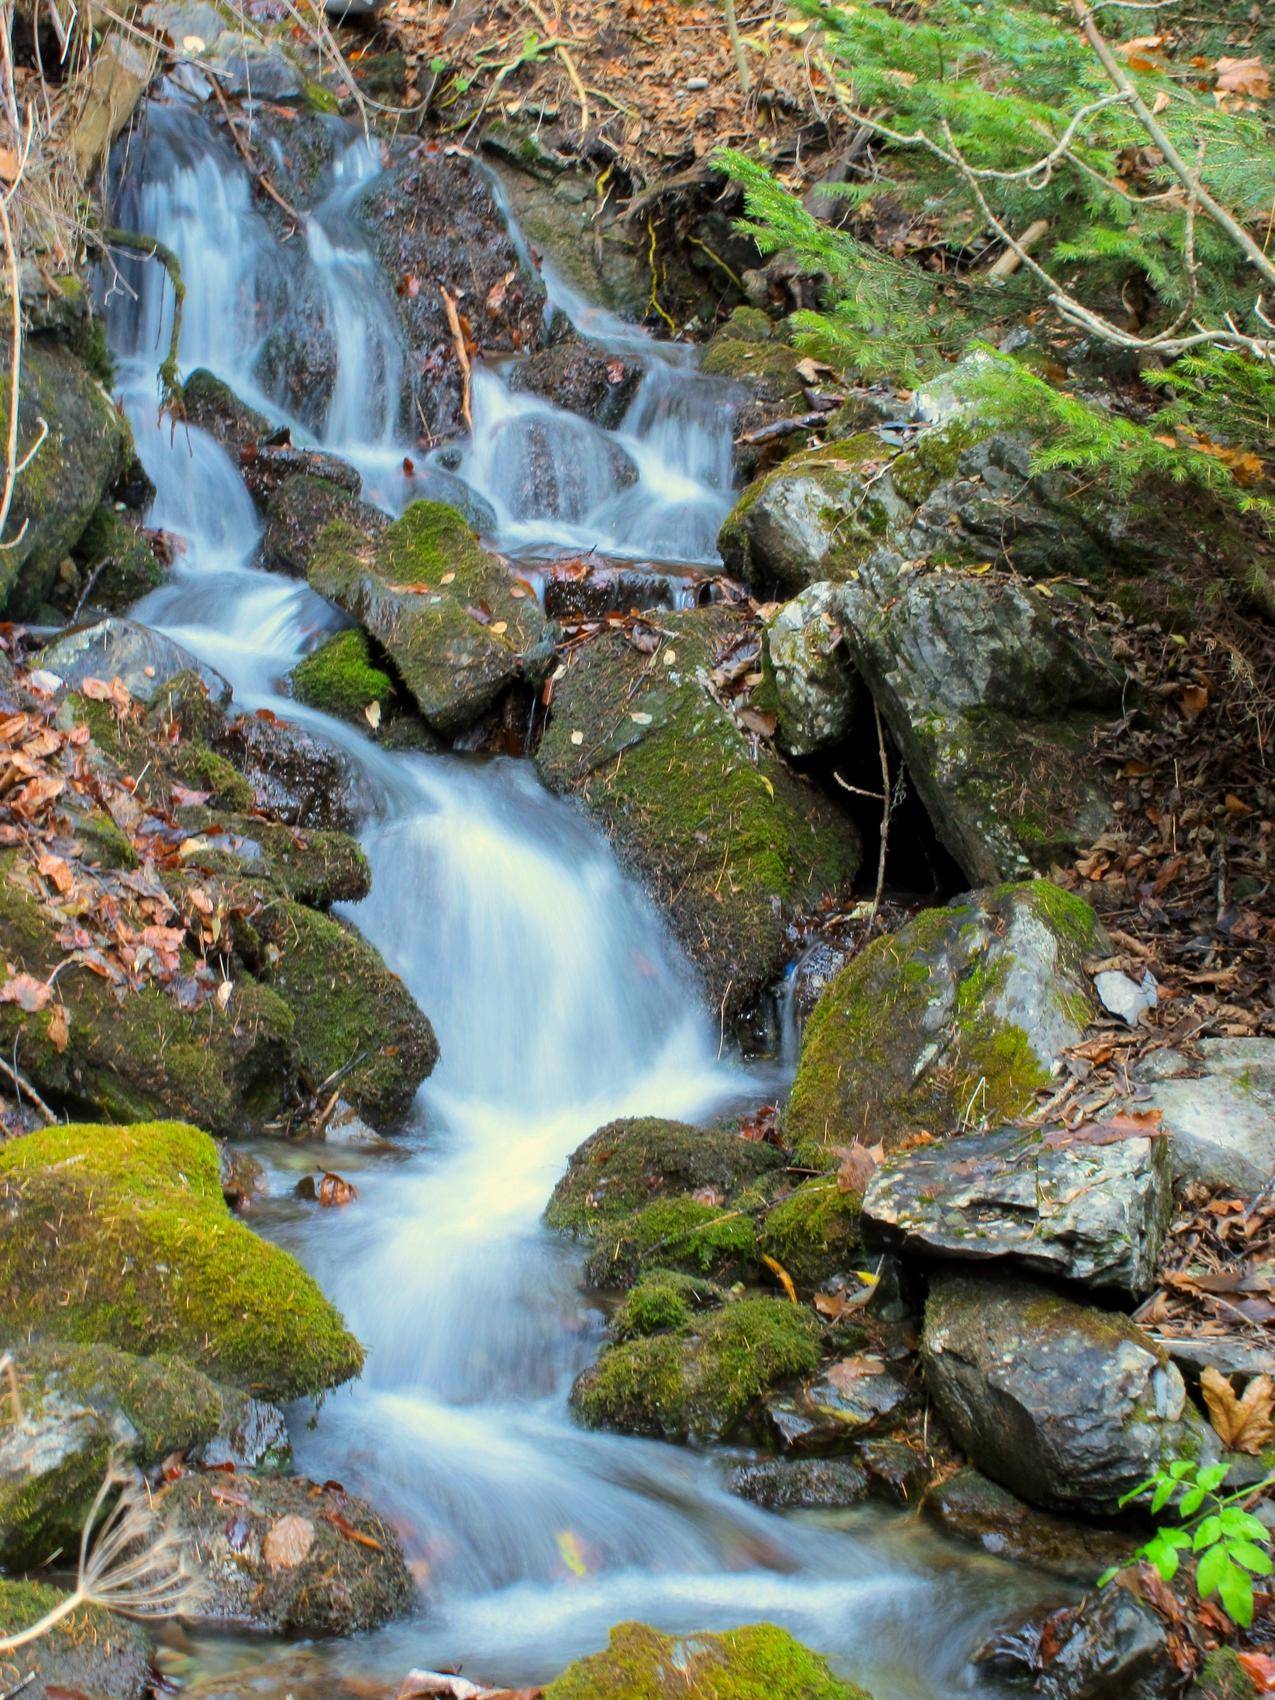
(25, 1090)
(737, 48)
(462, 353)
(153, 249)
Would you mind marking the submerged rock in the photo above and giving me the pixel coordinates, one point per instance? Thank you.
(286, 1555)
(1110, 1646)
(800, 1484)
(972, 1508)
(760, 1662)
(558, 468)
(1219, 1115)
(955, 1019)
(1066, 1405)
(731, 843)
(89, 1653)
(458, 628)
(702, 1381)
(122, 1236)
(1083, 1210)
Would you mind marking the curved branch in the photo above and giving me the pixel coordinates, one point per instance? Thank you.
(152, 249)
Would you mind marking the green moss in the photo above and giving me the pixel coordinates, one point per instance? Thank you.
(41, 1510)
(703, 1383)
(758, 1662)
(932, 459)
(317, 867)
(121, 1236)
(340, 677)
(171, 1405)
(1223, 1677)
(814, 1232)
(121, 562)
(677, 1233)
(88, 1653)
(662, 1302)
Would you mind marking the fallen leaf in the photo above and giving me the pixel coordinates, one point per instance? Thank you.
(55, 870)
(372, 714)
(1242, 83)
(858, 1164)
(568, 1544)
(781, 1275)
(343, 1525)
(1125, 1124)
(59, 1029)
(1247, 1423)
(335, 1191)
(27, 992)
(288, 1542)
(1260, 1669)
(758, 720)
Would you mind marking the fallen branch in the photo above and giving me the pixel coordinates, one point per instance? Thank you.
(25, 1089)
(1011, 259)
(462, 353)
(737, 48)
(246, 154)
(152, 249)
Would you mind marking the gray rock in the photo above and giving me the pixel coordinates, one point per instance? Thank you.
(558, 466)
(1088, 1212)
(1220, 1116)
(853, 1397)
(1110, 1646)
(52, 1463)
(581, 376)
(143, 659)
(1129, 999)
(254, 69)
(1066, 1405)
(89, 1654)
(294, 776)
(792, 1484)
(253, 1435)
(814, 680)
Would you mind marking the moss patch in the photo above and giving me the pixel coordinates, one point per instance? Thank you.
(674, 1233)
(814, 1232)
(90, 1652)
(663, 1302)
(119, 560)
(759, 1662)
(121, 1235)
(340, 677)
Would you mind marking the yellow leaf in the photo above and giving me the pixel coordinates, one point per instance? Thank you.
(1246, 1424)
(372, 714)
(569, 1547)
(781, 1275)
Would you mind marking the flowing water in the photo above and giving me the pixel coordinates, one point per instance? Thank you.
(558, 998)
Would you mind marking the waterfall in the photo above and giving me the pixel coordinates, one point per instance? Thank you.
(558, 996)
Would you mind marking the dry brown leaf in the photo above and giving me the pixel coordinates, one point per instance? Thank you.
(1246, 1424)
(858, 1164)
(288, 1542)
(1241, 82)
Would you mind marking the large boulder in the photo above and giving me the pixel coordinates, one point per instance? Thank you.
(954, 1020)
(460, 630)
(728, 841)
(1084, 1208)
(580, 376)
(758, 1662)
(88, 1653)
(286, 1555)
(121, 1235)
(1219, 1112)
(702, 1380)
(1068, 1406)
(85, 450)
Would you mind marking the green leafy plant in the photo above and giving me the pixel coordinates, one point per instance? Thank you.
(1228, 1545)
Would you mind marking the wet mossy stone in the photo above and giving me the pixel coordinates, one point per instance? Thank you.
(140, 1055)
(317, 867)
(681, 1233)
(954, 1020)
(729, 842)
(758, 1662)
(118, 561)
(89, 1653)
(814, 1232)
(701, 1382)
(342, 1567)
(121, 1236)
(87, 446)
(1223, 1677)
(662, 1302)
(816, 517)
(298, 511)
(341, 678)
(355, 1020)
(211, 404)
(630, 1162)
(458, 627)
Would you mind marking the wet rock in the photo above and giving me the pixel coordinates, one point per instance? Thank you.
(297, 511)
(89, 1653)
(431, 483)
(257, 70)
(252, 1435)
(813, 1232)
(815, 518)
(87, 448)
(1083, 1211)
(814, 681)
(1108, 1647)
(294, 776)
(799, 1484)
(286, 1555)
(298, 361)
(585, 591)
(117, 560)
(317, 868)
(852, 1397)
(991, 696)
(264, 454)
(558, 468)
(114, 648)
(1066, 1405)
(701, 1382)
(754, 353)
(728, 841)
(267, 467)
(211, 404)
(972, 1508)
(1219, 1114)
(580, 376)
(52, 1462)
(341, 678)
(434, 225)
(121, 1235)
(685, 1232)
(759, 1662)
(957, 1017)
(458, 646)
(630, 1162)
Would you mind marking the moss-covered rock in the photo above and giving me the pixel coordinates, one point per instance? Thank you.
(298, 511)
(293, 1558)
(57, 494)
(681, 1232)
(89, 1653)
(759, 1662)
(117, 561)
(954, 1020)
(317, 867)
(662, 1303)
(814, 1232)
(121, 1235)
(700, 1382)
(731, 843)
(341, 678)
(458, 627)
(1223, 1677)
(629, 1163)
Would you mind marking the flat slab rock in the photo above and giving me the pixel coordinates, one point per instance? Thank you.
(1219, 1113)
(1090, 1212)
(855, 1396)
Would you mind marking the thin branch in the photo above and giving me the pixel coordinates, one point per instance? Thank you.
(737, 48)
(152, 249)
(25, 1089)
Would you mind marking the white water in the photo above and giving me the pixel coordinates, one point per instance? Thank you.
(559, 1002)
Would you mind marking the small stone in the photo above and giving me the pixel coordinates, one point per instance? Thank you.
(1129, 999)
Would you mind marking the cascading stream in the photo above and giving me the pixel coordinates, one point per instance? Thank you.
(559, 1001)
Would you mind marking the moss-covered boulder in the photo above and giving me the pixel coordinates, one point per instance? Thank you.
(759, 1662)
(287, 1555)
(813, 1232)
(117, 561)
(631, 1162)
(341, 678)
(87, 447)
(121, 1235)
(702, 1380)
(89, 1653)
(817, 516)
(954, 1020)
(317, 867)
(457, 625)
(682, 1233)
(663, 1301)
(728, 841)
(298, 511)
